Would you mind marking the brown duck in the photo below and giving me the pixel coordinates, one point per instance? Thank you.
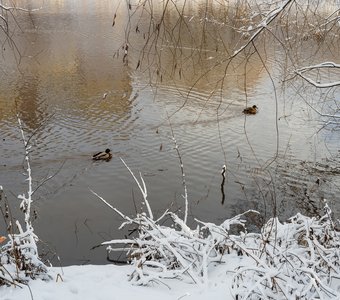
(252, 110)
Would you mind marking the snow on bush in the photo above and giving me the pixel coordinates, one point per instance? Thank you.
(294, 260)
(298, 259)
(19, 259)
(159, 251)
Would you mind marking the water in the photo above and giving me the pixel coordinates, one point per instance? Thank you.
(76, 96)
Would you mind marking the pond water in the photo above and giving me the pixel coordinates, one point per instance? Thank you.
(66, 75)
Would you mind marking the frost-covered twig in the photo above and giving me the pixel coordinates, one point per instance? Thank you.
(109, 205)
(11, 8)
(262, 25)
(186, 203)
(141, 188)
(20, 255)
(26, 200)
(323, 65)
(185, 196)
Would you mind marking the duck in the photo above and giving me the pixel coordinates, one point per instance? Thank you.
(103, 155)
(252, 110)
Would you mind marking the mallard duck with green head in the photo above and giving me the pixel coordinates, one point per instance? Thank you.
(252, 110)
(103, 155)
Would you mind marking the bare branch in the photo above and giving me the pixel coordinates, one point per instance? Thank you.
(324, 65)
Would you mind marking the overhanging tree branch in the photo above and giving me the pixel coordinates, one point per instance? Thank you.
(324, 65)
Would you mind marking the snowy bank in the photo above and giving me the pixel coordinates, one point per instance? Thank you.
(112, 282)
(294, 260)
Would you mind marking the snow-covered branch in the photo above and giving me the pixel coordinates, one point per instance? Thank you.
(11, 8)
(270, 16)
(324, 65)
(26, 199)
(19, 258)
(141, 188)
(185, 196)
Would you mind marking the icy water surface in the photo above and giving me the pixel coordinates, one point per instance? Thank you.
(77, 94)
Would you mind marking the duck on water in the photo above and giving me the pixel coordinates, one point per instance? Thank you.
(252, 110)
(103, 155)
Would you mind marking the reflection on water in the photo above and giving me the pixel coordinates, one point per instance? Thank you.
(76, 96)
(27, 102)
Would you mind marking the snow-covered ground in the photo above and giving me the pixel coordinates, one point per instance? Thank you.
(103, 282)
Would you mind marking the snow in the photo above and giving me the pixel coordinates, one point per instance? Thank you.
(101, 282)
